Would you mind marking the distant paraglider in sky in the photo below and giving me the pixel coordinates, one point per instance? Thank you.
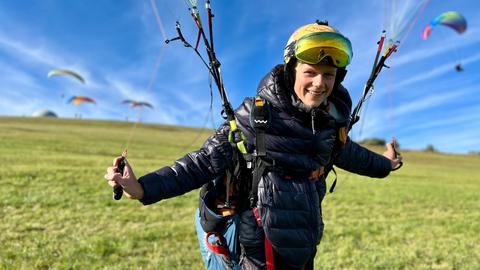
(450, 19)
(137, 104)
(458, 67)
(66, 72)
(75, 100)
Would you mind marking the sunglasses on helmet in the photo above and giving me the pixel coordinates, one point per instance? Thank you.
(315, 47)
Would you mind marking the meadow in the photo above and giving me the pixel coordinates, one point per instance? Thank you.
(57, 211)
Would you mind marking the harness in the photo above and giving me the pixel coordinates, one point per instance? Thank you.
(224, 198)
(242, 179)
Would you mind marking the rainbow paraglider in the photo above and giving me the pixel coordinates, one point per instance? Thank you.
(450, 19)
(65, 72)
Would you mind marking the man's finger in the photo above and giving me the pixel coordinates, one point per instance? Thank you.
(111, 170)
(112, 183)
(390, 147)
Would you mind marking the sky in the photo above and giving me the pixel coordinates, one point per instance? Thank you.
(118, 47)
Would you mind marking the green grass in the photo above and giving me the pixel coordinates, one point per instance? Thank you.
(57, 212)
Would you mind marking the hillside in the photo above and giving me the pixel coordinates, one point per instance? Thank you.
(57, 211)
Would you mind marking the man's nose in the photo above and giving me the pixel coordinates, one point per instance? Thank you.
(317, 81)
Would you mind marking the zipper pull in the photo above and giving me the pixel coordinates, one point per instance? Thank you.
(313, 120)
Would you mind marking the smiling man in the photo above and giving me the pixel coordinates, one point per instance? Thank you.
(279, 208)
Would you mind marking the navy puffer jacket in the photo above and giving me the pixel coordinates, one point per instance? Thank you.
(289, 203)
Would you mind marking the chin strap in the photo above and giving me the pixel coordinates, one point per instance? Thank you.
(341, 73)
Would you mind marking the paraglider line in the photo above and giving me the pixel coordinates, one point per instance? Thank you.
(157, 18)
(414, 21)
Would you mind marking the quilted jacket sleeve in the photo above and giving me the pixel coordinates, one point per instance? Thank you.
(191, 171)
(358, 159)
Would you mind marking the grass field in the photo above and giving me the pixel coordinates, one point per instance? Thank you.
(57, 211)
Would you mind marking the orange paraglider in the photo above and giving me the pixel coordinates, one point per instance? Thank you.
(75, 100)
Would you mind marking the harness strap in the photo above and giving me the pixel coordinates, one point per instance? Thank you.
(259, 120)
(340, 144)
(334, 181)
(231, 173)
(267, 244)
(260, 142)
(258, 171)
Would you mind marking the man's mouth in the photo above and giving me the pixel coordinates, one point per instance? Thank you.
(316, 92)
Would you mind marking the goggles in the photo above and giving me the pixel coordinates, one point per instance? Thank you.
(315, 47)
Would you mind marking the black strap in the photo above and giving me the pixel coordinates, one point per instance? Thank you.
(334, 181)
(232, 174)
(260, 147)
(260, 166)
(259, 120)
(229, 179)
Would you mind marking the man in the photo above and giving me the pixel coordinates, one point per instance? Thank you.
(307, 135)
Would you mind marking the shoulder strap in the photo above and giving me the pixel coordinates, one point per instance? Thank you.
(339, 145)
(260, 120)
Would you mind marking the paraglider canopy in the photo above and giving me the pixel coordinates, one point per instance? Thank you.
(450, 19)
(44, 113)
(75, 100)
(134, 103)
(66, 72)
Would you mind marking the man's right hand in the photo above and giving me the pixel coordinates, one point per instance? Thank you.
(131, 188)
(396, 159)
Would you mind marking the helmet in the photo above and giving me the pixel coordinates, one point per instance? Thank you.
(315, 42)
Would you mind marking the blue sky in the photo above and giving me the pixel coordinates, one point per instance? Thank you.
(119, 49)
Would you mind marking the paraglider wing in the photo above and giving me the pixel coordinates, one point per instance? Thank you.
(142, 103)
(134, 103)
(75, 100)
(128, 101)
(450, 19)
(61, 71)
(426, 32)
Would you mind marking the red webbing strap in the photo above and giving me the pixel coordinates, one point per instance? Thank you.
(268, 246)
(217, 247)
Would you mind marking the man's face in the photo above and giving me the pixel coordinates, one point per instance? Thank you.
(314, 83)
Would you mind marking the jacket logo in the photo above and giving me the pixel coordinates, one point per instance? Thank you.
(260, 121)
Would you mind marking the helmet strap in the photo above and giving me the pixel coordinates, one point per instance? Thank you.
(288, 75)
(341, 73)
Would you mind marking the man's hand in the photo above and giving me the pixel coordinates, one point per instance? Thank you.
(393, 155)
(131, 188)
